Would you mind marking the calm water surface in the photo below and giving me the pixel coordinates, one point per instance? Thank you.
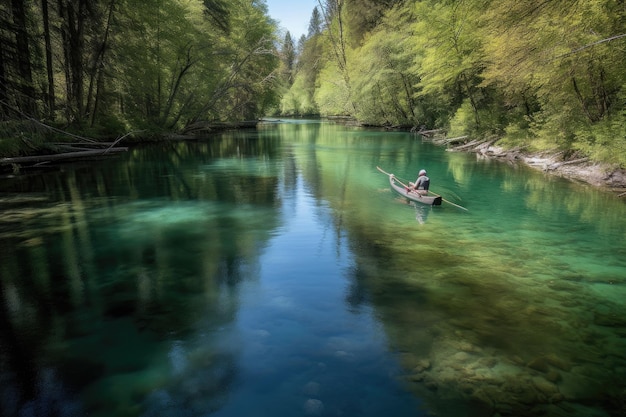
(274, 273)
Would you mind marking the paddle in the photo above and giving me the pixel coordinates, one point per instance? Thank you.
(399, 182)
(455, 205)
(405, 186)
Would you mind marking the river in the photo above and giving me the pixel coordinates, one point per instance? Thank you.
(273, 272)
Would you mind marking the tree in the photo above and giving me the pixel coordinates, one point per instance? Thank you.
(450, 58)
(74, 17)
(362, 16)
(218, 13)
(382, 78)
(315, 23)
(340, 91)
(299, 99)
(50, 98)
(242, 69)
(176, 77)
(288, 58)
(566, 78)
(15, 59)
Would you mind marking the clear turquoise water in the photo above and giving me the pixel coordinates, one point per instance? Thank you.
(274, 272)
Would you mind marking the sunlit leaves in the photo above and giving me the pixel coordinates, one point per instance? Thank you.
(540, 74)
(182, 66)
(549, 52)
(333, 97)
(383, 84)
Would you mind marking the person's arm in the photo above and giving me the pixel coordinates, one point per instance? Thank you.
(414, 184)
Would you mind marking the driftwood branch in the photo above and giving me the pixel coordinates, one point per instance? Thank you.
(75, 151)
(117, 141)
(560, 164)
(473, 144)
(60, 156)
(42, 124)
(451, 141)
(427, 133)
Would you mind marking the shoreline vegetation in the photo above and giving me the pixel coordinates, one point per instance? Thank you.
(559, 163)
(472, 70)
(30, 155)
(573, 167)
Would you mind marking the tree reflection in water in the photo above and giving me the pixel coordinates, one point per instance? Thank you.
(121, 284)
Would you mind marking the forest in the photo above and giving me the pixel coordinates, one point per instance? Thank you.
(103, 68)
(529, 74)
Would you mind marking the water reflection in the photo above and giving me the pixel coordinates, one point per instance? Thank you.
(421, 212)
(254, 274)
(99, 267)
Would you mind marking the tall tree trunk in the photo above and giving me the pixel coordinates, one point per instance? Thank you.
(582, 101)
(3, 84)
(97, 75)
(339, 43)
(27, 99)
(66, 59)
(73, 14)
(50, 99)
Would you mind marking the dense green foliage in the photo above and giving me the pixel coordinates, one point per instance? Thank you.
(538, 75)
(543, 75)
(109, 66)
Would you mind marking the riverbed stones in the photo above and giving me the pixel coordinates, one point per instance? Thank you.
(313, 407)
(421, 366)
(311, 388)
(524, 358)
(610, 319)
(577, 386)
(545, 387)
(553, 376)
(558, 362)
(479, 396)
(539, 364)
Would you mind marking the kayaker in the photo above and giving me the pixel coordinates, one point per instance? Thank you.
(421, 184)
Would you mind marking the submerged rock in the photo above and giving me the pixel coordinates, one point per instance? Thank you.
(545, 387)
(311, 388)
(539, 364)
(558, 362)
(313, 407)
(609, 319)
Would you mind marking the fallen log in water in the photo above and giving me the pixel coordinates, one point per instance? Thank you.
(77, 153)
(86, 144)
(473, 144)
(450, 141)
(427, 133)
(37, 159)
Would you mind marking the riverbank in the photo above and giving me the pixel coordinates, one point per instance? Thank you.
(41, 153)
(575, 168)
